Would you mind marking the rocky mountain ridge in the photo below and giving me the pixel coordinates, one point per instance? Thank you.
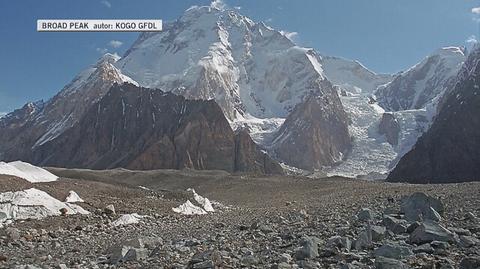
(448, 151)
(144, 129)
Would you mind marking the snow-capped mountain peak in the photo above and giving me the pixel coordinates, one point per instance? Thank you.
(219, 54)
(422, 83)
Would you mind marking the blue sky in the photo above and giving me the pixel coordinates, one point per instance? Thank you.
(385, 35)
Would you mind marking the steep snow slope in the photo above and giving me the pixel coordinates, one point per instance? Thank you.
(422, 83)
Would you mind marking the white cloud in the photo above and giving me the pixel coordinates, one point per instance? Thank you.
(237, 7)
(269, 20)
(115, 43)
(290, 35)
(471, 40)
(101, 50)
(218, 4)
(106, 3)
(476, 10)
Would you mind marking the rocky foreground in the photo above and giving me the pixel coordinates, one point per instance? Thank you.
(275, 222)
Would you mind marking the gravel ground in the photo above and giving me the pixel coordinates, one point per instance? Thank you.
(260, 222)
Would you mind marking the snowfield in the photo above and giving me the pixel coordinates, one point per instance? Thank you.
(26, 171)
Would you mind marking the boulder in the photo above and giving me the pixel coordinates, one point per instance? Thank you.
(393, 251)
(468, 241)
(395, 225)
(378, 233)
(129, 250)
(387, 263)
(364, 240)
(339, 242)
(419, 206)
(425, 248)
(365, 214)
(109, 210)
(308, 249)
(430, 231)
(470, 263)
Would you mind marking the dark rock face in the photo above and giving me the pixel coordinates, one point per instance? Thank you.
(315, 134)
(389, 127)
(144, 129)
(450, 150)
(250, 158)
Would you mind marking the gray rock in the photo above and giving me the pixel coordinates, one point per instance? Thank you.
(460, 231)
(109, 210)
(348, 266)
(395, 225)
(364, 240)
(285, 258)
(387, 263)
(340, 242)
(305, 264)
(470, 263)
(470, 216)
(468, 241)
(12, 233)
(446, 264)
(419, 206)
(308, 249)
(431, 231)
(440, 245)
(282, 265)
(136, 254)
(365, 214)
(378, 233)
(425, 248)
(129, 250)
(28, 266)
(249, 260)
(413, 226)
(204, 265)
(393, 251)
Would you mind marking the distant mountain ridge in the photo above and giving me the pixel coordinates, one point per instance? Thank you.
(306, 110)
